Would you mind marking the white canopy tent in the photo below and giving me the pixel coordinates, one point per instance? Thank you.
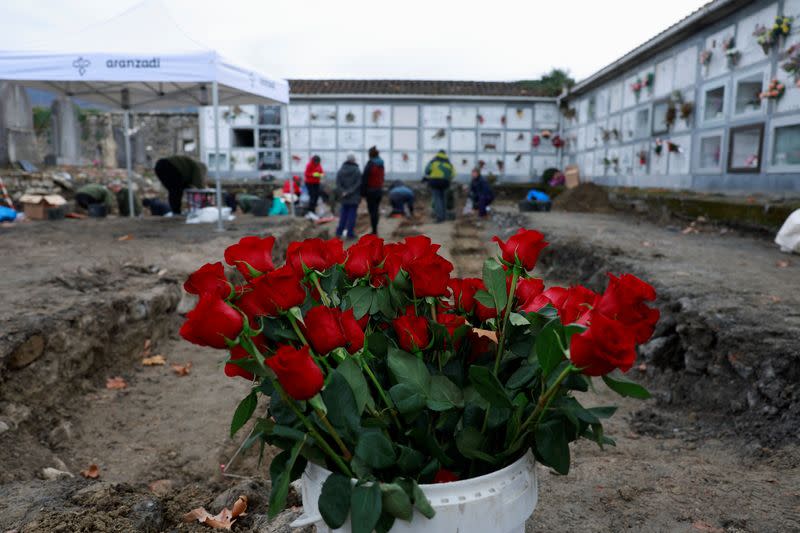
(141, 60)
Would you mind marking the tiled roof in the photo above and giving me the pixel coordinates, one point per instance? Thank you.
(411, 87)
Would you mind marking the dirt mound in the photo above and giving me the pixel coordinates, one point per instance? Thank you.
(585, 198)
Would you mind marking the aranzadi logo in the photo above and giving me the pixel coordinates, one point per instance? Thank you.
(150, 62)
(81, 64)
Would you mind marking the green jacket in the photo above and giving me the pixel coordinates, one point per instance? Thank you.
(440, 168)
(194, 173)
(99, 194)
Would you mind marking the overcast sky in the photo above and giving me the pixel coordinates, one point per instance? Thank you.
(422, 39)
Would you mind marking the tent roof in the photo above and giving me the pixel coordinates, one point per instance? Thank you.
(144, 51)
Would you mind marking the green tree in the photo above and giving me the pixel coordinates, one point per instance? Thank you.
(552, 83)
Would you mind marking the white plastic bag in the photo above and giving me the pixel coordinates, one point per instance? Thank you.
(788, 237)
(207, 215)
(468, 207)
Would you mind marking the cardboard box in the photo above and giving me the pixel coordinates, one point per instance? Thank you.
(572, 176)
(36, 206)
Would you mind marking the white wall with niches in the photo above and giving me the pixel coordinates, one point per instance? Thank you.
(732, 141)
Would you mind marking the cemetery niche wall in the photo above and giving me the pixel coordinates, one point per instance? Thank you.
(710, 104)
(496, 133)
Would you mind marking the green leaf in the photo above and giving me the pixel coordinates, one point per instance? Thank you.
(469, 442)
(375, 449)
(421, 502)
(523, 375)
(409, 369)
(297, 314)
(517, 319)
(243, 412)
(334, 500)
(282, 471)
(396, 502)
(444, 394)
(407, 399)
(485, 299)
(385, 523)
(287, 432)
(410, 460)
(360, 300)
(342, 410)
(378, 344)
(603, 412)
(494, 277)
(548, 347)
(552, 446)
(365, 508)
(626, 388)
(355, 378)
(488, 386)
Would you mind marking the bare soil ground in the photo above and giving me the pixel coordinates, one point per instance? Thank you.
(159, 443)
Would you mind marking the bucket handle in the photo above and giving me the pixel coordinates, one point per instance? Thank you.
(306, 520)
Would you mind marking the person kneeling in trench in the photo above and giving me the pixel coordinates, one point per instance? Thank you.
(178, 173)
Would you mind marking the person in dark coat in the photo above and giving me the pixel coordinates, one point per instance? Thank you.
(372, 186)
(178, 173)
(439, 172)
(480, 192)
(348, 186)
(401, 197)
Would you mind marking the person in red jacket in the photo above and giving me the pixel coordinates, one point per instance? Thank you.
(372, 186)
(314, 175)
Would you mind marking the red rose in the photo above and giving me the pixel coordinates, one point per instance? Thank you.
(237, 352)
(576, 307)
(271, 294)
(209, 278)
(450, 322)
(429, 275)
(624, 299)
(527, 291)
(464, 292)
(211, 322)
(323, 329)
(354, 330)
(606, 345)
(315, 254)
(522, 248)
(412, 332)
(554, 296)
(485, 313)
(444, 476)
(479, 346)
(403, 254)
(364, 256)
(297, 372)
(251, 255)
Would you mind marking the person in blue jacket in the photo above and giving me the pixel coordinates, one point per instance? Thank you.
(480, 192)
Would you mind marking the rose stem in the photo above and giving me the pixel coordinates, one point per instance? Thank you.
(509, 305)
(303, 339)
(323, 295)
(382, 393)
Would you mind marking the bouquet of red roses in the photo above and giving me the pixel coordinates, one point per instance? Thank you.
(382, 367)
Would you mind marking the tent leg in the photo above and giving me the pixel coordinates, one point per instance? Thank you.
(127, 127)
(217, 178)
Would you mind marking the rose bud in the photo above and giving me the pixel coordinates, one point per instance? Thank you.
(522, 248)
(624, 299)
(297, 372)
(364, 256)
(211, 322)
(430, 275)
(251, 255)
(314, 254)
(607, 344)
(412, 332)
(353, 330)
(209, 278)
(323, 329)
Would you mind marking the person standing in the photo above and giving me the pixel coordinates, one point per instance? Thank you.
(178, 173)
(480, 192)
(439, 173)
(348, 185)
(372, 186)
(314, 175)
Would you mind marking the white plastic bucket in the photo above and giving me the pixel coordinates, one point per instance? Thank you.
(499, 502)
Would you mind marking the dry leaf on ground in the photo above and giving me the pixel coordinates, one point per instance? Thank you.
(224, 520)
(127, 237)
(116, 383)
(182, 370)
(93, 472)
(161, 487)
(156, 360)
(783, 263)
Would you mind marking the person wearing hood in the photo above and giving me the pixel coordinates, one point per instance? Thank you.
(313, 175)
(401, 197)
(439, 173)
(480, 192)
(372, 186)
(348, 185)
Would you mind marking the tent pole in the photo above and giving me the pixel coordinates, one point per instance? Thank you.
(217, 178)
(289, 159)
(127, 126)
